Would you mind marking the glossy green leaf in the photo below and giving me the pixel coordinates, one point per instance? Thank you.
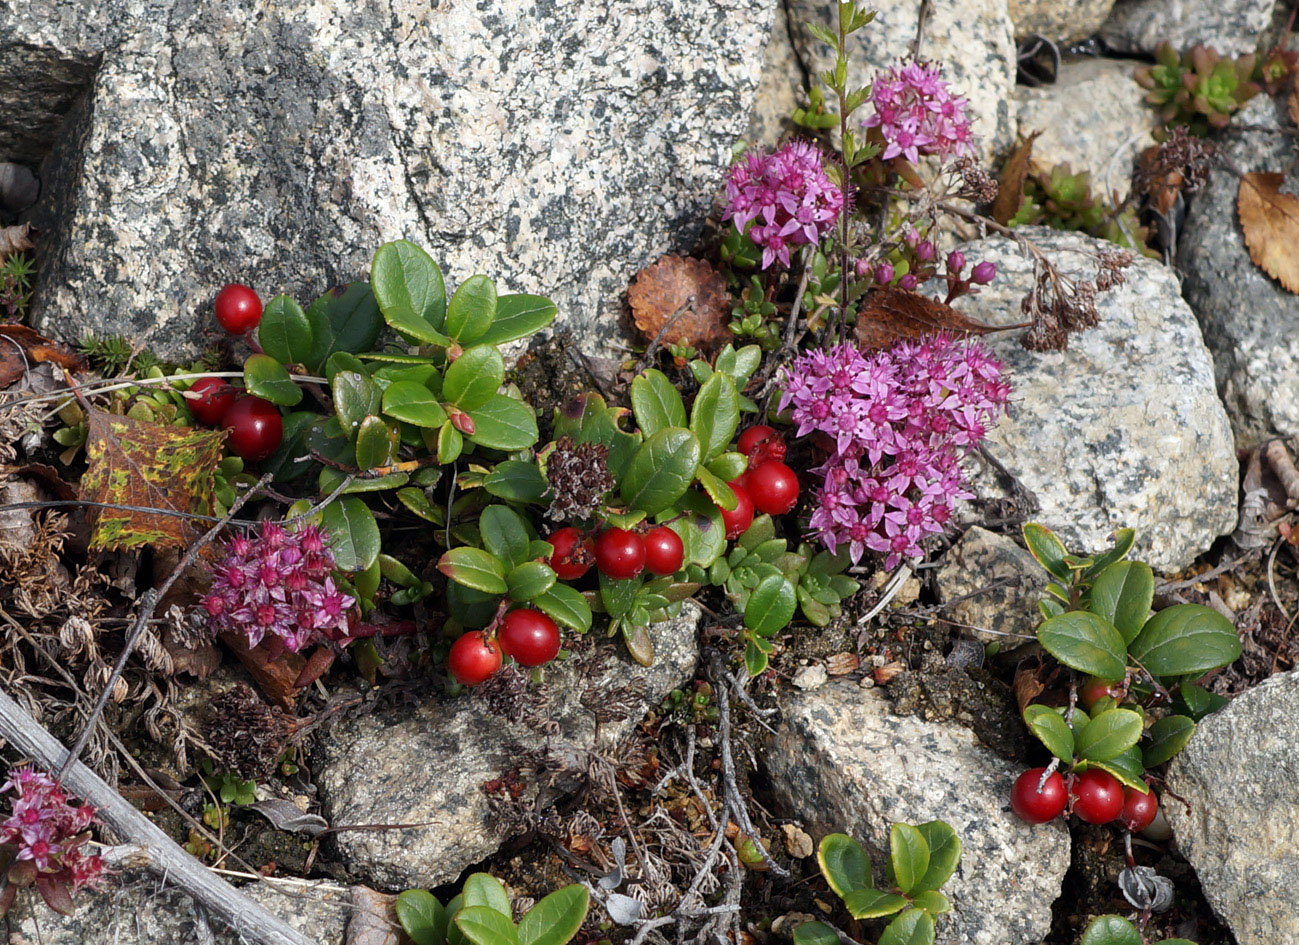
(721, 493)
(944, 854)
(284, 332)
(503, 423)
(483, 925)
(661, 470)
(701, 529)
(517, 481)
(341, 361)
(376, 443)
(474, 378)
(413, 403)
(771, 606)
(1050, 728)
(1126, 767)
(346, 318)
(422, 917)
(728, 465)
(396, 572)
(1110, 930)
(505, 534)
(1047, 549)
(1085, 642)
(1185, 640)
(932, 901)
(355, 398)
(450, 442)
(618, 597)
(1198, 701)
(529, 580)
(353, 533)
(282, 465)
(518, 316)
(1165, 739)
(417, 502)
(908, 855)
(913, 927)
(556, 918)
(567, 606)
(656, 403)
(1124, 538)
(1122, 594)
(1109, 734)
(755, 658)
(474, 568)
(715, 415)
(268, 378)
(812, 933)
(471, 310)
(408, 286)
(844, 863)
(873, 903)
(484, 889)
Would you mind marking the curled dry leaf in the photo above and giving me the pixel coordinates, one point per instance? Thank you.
(285, 815)
(15, 239)
(1270, 221)
(797, 843)
(683, 298)
(1027, 686)
(891, 314)
(21, 347)
(1010, 187)
(841, 664)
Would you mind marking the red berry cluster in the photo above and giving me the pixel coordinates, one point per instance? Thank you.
(768, 485)
(526, 635)
(255, 425)
(1097, 798)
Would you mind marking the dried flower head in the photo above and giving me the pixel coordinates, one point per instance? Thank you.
(918, 114)
(787, 196)
(44, 839)
(900, 421)
(976, 183)
(246, 735)
(579, 479)
(281, 583)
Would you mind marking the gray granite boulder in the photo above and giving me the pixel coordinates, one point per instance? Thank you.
(557, 147)
(1240, 776)
(133, 908)
(841, 762)
(1250, 323)
(1232, 27)
(991, 585)
(1093, 118)
(427, 765)
(1062, 21)
(782, 88)
(1125, 427)
(973, 39)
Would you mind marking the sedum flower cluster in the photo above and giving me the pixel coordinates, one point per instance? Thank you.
(918, 114)
(278, 583)
(786, 195)
(898, 421)
(45, 837)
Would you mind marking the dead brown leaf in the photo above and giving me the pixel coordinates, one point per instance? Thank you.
(1010, 187)
(1270, 221)
(275, 675)
(797, 843)
(374, 919)
(1027, 686)
(151, 466)
(20, 347)
(841, 664)
(891, 314)
(15, 239)
(684, 299)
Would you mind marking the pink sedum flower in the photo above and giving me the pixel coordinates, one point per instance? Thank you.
(46, 833)
(280, 585)
(908, 415)
(785, 199)
(918, 114)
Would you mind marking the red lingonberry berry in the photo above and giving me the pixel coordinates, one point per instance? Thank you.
(664, 551)
(1139, 809)
(529, 637)
(773, 487)
(214, 398)
(255, 426)
(572, 557)
(1097, 796)
(761, 444)
(474, 657)
(620, 554)
(1094, 690)
(238, 309)
(1037, 807)
(739, 518)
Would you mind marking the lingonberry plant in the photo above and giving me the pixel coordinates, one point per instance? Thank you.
(481, 914)
(1116, 930)
(1139, 699)
(43, 841)
(921, 859)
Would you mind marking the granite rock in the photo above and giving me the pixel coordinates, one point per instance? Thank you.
(1061, 21)
(1093, 118)
(1101, 434)
(427, 765)
(556, 147)
(1232, 27)
(133, 908)
(841, 762)
(973, 39)
(1240, 775)
(782, 88)
(1250, 323)
(1005, 613)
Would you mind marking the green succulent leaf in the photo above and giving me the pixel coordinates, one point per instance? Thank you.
(267, 378)
(1109, 734)
(518, 316)
(1122, 594)
(1166, 738)
(1085, 642)
(656, 403)
(474, 568)
(1185, 640)
(557, 918)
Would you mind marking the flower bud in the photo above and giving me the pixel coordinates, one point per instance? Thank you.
(984, 273)
(955, 262)
(924, 250)
(862, 267)
(884, 273)
(908, 282)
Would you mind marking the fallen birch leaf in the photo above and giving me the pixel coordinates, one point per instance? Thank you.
(891, 314)
(683, 298)
(1270, 221)
(1010, 187)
